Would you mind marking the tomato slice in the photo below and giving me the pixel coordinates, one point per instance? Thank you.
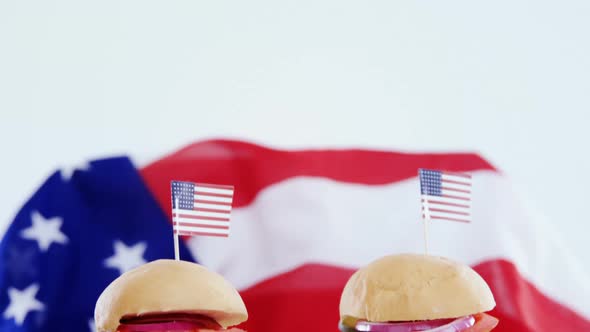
(483, 323)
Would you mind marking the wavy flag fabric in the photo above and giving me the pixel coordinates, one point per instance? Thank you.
(302, 222)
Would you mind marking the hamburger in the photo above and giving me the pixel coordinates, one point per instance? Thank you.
(169, 295)
(408, 292)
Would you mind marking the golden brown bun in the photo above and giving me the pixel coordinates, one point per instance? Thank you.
(414, 287)
(169, 286)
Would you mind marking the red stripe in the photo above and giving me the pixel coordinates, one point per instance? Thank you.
(190, 224)
(457, 197)
(252, 168)
(212, 194)
(456, 182)
(189, 216)
(211, 202)
(183, 233)
(520, 306)
(215, 186)
(457, 190)
(447, 211)
(312, 294)
(463, 175)
(446, 203)
(446, 218)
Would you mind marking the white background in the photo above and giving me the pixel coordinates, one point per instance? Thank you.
(507, 79)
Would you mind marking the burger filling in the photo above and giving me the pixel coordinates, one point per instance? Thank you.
(170, 322)
(473, 323)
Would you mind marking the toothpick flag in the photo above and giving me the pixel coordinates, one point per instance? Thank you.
(445, 195)
(200, 209)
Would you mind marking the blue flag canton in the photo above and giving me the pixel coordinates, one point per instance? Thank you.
(184, 192)
(71, 239)
(430, 182)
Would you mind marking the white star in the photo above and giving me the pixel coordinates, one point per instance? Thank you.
(22, 302)
(68, 170)
(126, 258)
(92, 325)
(44, 231)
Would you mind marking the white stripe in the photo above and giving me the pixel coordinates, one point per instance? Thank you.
(202, 222)
(456, 178)
(213, 206)
(446, 199)
(213, 198)
(449, 215)
(455, 193)
(202, 229)
(214, 190)
(205, 214)
(447, 207)
(456, 186)
(386, 219)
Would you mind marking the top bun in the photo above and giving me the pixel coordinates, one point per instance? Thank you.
(410, 287)
(169, 286)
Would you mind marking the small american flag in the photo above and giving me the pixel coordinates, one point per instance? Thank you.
(445, 195)
(201, 209)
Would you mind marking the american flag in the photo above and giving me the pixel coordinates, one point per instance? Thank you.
(201, 209)
(76, 234)
(445, 195)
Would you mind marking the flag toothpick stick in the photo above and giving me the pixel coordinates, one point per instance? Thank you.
(426, 221)
(445, 196)
(175, 233)
(200, 209)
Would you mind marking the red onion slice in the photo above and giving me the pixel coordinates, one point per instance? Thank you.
(160, 327)
(438, 325)
(458, 325)
(171, 321)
